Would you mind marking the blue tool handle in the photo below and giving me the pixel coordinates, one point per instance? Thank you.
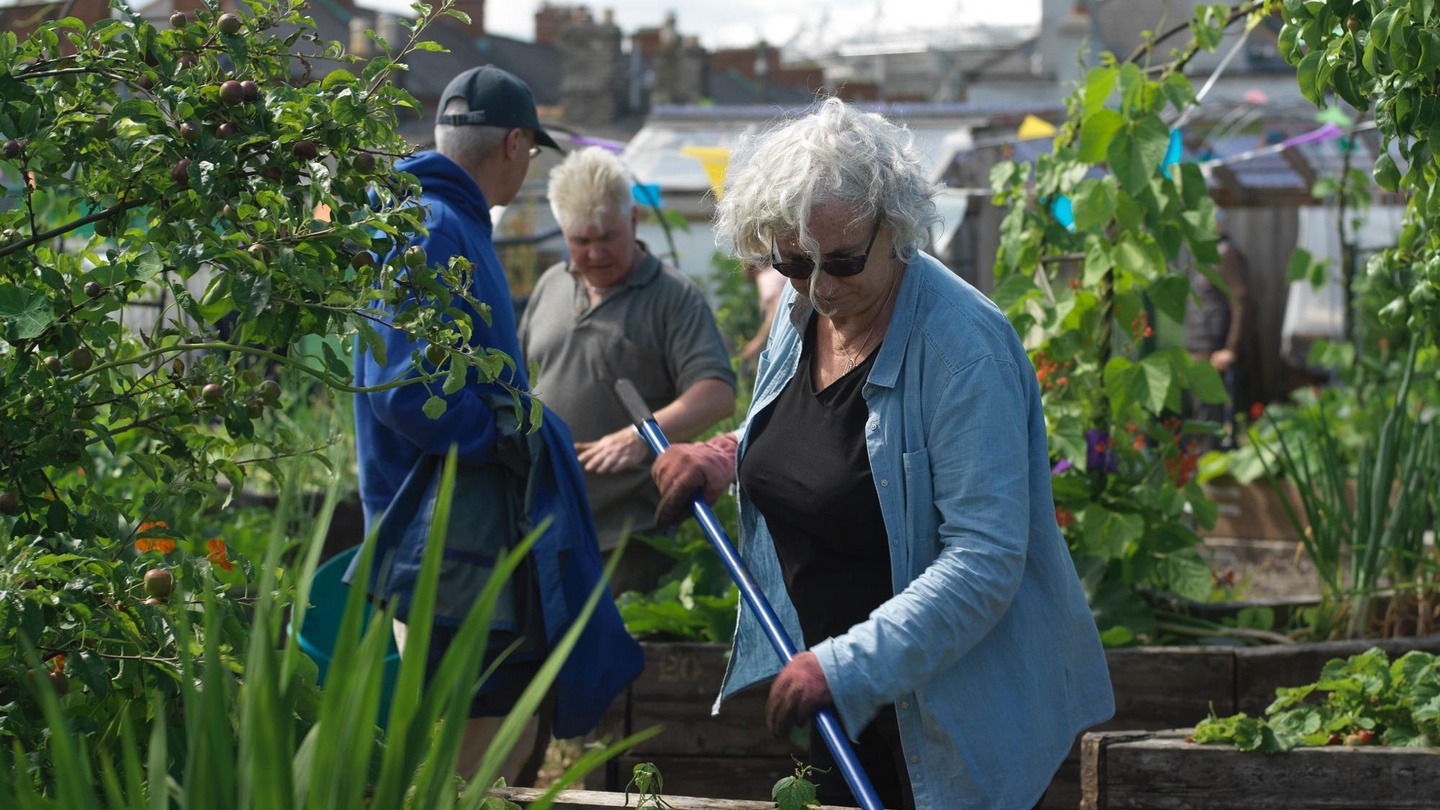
(825, 719)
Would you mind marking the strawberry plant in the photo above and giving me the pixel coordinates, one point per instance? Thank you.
(1363, 700)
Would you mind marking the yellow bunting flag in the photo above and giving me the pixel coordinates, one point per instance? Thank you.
(1033, 127)
(714, 159)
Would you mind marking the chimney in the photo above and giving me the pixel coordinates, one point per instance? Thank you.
(592, 73)
(551, 20)
(476, 11)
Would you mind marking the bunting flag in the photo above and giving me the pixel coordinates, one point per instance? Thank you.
(1173, 153)
(646, 194)
(1034, 127)
(714, 159)
(604, 143)
(1064, 212)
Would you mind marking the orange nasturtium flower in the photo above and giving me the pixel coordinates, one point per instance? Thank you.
(164, 545)
(218, 555)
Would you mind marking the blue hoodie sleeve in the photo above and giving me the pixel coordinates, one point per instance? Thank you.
(468, 422)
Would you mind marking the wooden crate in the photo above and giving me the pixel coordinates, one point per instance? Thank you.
(1160, 771)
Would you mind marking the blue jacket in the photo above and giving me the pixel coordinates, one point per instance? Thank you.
(393, 434)
(988, 649)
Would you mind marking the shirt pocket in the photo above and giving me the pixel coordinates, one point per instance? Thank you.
(921, 526)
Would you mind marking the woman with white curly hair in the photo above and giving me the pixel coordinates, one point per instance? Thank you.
(895, 500)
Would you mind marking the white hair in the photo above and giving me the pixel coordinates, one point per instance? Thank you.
(861, 162)
(466, 144)
(587, 184)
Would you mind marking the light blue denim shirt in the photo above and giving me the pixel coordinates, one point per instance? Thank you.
(988, 649)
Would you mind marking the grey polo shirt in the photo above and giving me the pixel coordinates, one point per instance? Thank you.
(655, 329)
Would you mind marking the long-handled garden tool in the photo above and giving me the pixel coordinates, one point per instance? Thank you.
(825, 719)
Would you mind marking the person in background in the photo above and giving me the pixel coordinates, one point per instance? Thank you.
(895, 501)
(1216, 329)
(768, 287)
(614, 311)
(485, 136)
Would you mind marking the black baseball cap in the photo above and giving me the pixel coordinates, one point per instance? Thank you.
(496, 98)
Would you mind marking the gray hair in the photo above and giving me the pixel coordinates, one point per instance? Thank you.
(587, 184)
(833, 154)
(466, 144)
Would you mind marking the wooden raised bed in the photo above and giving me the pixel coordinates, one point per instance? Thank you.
(731, 756)
(598, 800)
(1176, 687)
(1160, 771)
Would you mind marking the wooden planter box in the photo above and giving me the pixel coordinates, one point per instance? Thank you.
(598, 800)
(1176, 687)
(731, 756)
(1160, 771)
(1250, 511)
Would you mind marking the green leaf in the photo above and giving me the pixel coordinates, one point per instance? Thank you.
(1094, 203)
(434, 407)
(1308, 75)
(1108, 534)
(25, 313)
(1187, 575)
(1386, 173)
(1204, 380)
(1168, 294)
(1099, 84)
(1097, 135)
(1150, 383)
(334, 363)
(794, 793)
(1097, 261)
(1013, 290)
(1136, 152)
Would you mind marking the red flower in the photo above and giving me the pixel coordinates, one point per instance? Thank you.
(218, 555)
(1257, 410)
(1063, 517)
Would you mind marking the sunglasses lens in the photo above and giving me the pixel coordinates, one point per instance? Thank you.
(796, 270)
(847, 266)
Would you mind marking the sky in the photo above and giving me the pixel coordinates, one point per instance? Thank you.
(732, 23)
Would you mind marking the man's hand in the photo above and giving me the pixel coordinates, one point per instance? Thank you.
(1222, 359)
(612, 452)
(799, 692)
(686, 470)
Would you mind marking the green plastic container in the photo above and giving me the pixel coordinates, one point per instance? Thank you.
(328, 595)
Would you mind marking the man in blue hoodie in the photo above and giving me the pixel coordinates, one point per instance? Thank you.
(511, 481)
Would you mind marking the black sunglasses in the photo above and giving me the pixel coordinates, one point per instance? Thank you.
(837, 266)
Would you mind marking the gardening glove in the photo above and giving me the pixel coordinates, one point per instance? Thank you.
(685, 470)
(799, 692)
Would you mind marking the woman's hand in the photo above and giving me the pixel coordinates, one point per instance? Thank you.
(686, 470)
(799, 692)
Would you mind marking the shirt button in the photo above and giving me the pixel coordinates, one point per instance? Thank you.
(904, 704)
(914, 757)
(884, 482)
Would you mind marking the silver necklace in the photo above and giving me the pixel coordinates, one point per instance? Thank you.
(853, 359)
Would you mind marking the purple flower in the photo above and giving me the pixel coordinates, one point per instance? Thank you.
(1099, 450)
(1061, 466)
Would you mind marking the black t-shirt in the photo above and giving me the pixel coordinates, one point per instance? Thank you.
(807, 471)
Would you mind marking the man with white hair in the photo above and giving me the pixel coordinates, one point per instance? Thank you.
(615, 311)
(510, 480)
